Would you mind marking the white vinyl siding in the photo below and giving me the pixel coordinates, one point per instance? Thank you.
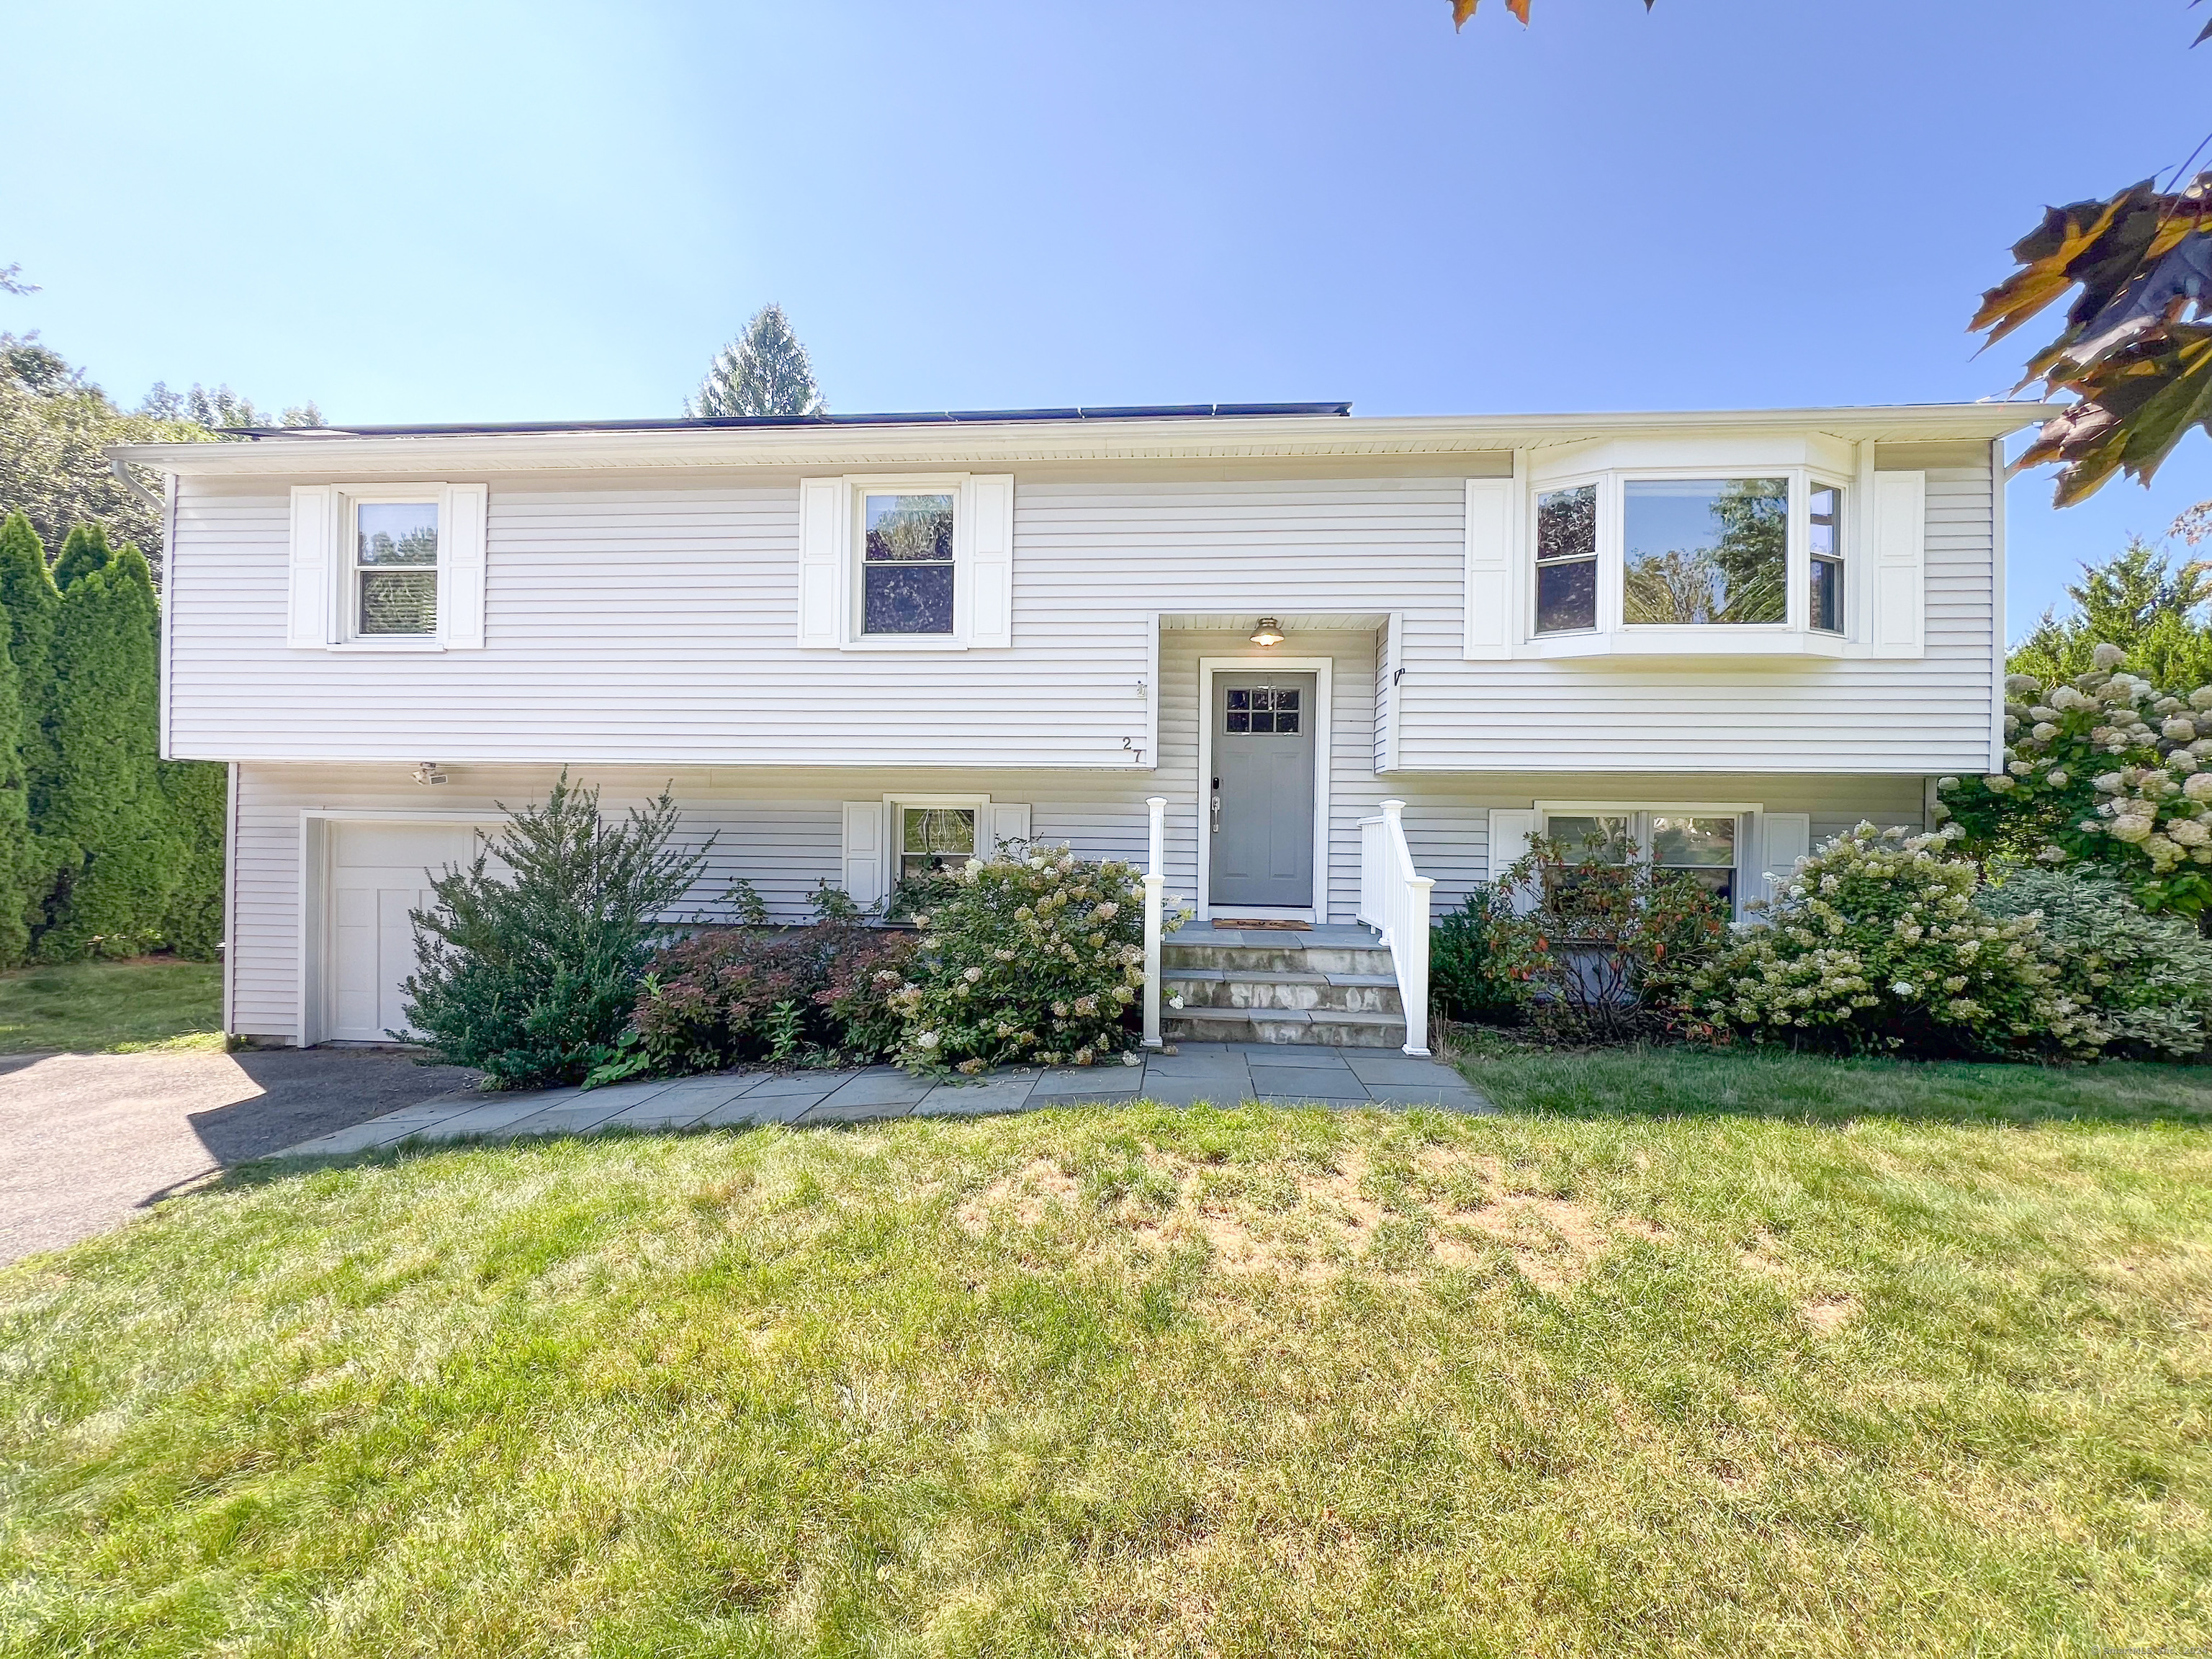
(784, 830)
(656, 620)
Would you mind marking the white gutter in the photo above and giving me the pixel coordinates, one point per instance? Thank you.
(321, 454)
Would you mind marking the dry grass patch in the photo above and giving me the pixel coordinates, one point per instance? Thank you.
(1312, 1224)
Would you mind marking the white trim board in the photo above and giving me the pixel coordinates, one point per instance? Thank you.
(1323, 669)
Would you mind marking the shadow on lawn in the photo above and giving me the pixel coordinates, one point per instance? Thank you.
(1654, 1082)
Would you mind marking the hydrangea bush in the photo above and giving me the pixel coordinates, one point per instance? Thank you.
(2150, 977)
(1876, 945)
(1032, 954)
(2101, 770)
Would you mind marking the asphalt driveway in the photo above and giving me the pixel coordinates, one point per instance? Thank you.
(88, 1140)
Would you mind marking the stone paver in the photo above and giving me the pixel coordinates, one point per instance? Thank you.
(1219, 1073)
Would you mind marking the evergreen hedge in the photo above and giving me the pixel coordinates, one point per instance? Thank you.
(105, 849)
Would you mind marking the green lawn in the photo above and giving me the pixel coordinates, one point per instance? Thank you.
(111, 1007)
(1682, 1354)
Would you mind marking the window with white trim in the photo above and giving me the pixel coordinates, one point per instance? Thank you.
(934, 840)
(1704, 843)
(1671, 551)
(908, 576)
(906, 562)
(387, 567)
(392, 585)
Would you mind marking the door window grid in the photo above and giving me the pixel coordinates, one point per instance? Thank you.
(1260, 709)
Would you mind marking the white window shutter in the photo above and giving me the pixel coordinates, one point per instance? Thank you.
(991, 559)
(1783, 838)
(1898, 626)
(821, 570)
(461, 553)
(1511, 832)
(1009, 821)
(1489, 553)
(314, 554)
(865, 864)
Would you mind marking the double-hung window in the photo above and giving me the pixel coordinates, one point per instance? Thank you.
(912, 562)
(394, 590)
(391, 567)
(908, 576)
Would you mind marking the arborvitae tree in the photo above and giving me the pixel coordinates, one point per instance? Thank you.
(32, 606)
(105, 810)
(764, 371)
(20, 864)
(84, 550)
(197, 793)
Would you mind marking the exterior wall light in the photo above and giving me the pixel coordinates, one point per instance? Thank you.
(1270, 632)
(428, 772)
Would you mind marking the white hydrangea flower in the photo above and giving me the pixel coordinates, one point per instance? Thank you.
(2107, 656)
(2067, 698)
(2130, 828)
(1947, 784)
(2179, 728)
(2022, 685)
(2018, 768)
(2043, 732)
(2197, 785)
(2201, 697)
(2059, 777)
(2189, 832)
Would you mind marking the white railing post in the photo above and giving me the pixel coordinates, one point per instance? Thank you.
(1155, 882)
(1405, 907)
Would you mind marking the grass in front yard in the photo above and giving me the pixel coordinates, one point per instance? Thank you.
(1248, 1382)
(111, 1007)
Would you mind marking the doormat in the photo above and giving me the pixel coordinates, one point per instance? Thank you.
(1279, 926)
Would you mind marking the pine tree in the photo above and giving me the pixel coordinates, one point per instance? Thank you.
(106, 809)
(764, 371)
(84, 550)
(2135, 600)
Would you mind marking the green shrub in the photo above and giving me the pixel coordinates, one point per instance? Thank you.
(1602, 941)
(531, 957)
(2102, 771)
(1876, 945)
(804, 995)
(1032, 954)
(1471, 951)
(2148, 977)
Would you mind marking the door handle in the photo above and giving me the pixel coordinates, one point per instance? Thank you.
(1216, 814)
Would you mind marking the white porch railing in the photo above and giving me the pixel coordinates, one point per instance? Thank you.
(1155, 880)
(1394, 900)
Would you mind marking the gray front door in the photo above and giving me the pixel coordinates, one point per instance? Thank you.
(1263, 790)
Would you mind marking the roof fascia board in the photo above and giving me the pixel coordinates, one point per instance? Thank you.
(1227, 438)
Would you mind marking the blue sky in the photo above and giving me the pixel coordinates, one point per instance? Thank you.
(451, 212)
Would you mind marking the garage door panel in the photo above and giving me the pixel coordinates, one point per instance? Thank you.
(380, 872)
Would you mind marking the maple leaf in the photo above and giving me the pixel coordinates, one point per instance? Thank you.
(1463, 9)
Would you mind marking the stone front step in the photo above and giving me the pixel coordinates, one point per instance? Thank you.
(1239, 960)
(1325, 1027)
(1222, 987)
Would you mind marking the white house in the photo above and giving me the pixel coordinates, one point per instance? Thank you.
(853, 645)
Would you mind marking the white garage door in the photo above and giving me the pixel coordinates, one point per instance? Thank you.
(379, 873)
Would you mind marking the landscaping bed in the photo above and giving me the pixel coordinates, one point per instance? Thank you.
(1686, 1353)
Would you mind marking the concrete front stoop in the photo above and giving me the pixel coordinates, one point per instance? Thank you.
(1331, 987)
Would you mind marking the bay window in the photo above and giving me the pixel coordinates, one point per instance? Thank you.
(1686, 560)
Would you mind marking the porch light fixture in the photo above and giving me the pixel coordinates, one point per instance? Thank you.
(428, 772)
(1270, 632)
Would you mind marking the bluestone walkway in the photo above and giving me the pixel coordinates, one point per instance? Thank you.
(1223, 1074)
